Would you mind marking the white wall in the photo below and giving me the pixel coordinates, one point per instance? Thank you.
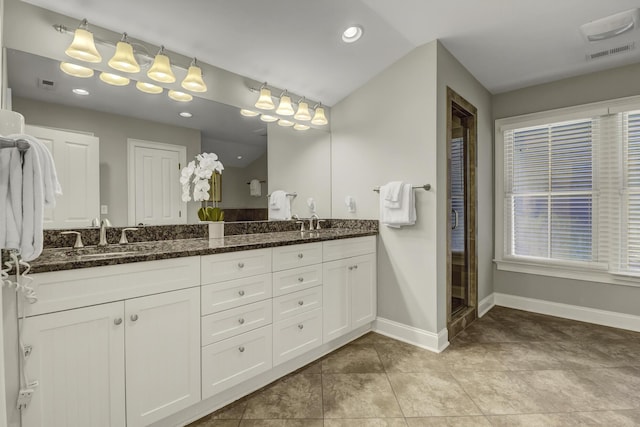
(300, 162)
(235, 191)
(611, 84)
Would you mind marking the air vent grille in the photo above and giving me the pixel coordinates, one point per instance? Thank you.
(46, 84)
(614, 50)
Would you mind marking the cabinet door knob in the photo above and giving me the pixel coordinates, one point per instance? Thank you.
(300, 256)
(351, 267)
(300, 302)
(355, 267)
(301, 326)
(300, 279)
(134, 317)
(117, 321)
(241, 349)
(241, 320)
(241, 264)
(241, 293)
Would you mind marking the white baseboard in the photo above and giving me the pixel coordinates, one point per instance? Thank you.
(411, 335)
(567, 311)
(485, 305)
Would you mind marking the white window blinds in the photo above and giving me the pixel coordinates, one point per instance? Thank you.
(549, 196)
(630, 226)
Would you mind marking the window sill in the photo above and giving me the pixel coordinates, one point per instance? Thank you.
(588, 274)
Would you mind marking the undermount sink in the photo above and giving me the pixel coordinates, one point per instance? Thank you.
(101, 252)
(102, 255)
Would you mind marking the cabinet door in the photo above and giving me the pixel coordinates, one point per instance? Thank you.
(78, 359)
(163, 355)
(336, 300)
(362, 281)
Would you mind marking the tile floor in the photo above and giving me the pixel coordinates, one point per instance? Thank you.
(510, 368)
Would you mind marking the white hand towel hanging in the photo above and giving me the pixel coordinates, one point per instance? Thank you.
(393, 194)
(255, 188)
(402, 216)
(279, 206)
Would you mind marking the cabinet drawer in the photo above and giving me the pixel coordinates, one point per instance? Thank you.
(285, 257)
(297, 335)
(221, 267)
(225, 324)
(234, 360)
(234, 293)
(345, 248)
(288, 281)
(293, 304)
(65, 290)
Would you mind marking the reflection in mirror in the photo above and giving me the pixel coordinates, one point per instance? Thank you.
(121, 132)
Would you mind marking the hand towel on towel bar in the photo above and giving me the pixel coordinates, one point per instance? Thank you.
(279, 206)
(393, 194)
(255, 188)
(402, 216)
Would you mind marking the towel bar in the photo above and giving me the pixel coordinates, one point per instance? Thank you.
(424, 187)
(288, 194)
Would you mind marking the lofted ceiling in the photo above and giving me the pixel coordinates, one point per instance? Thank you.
(296, 44)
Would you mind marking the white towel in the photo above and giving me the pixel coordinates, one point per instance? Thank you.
(402, 216)
(393, 194)
(255, 188)
(279, 206)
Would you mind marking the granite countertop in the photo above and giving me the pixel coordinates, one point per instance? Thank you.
(55, 259)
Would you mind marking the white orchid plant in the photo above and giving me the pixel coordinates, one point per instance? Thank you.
(196, 175)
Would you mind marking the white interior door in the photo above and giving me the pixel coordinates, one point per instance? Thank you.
(77, 159)
(154, 183)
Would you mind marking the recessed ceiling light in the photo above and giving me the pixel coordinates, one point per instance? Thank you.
(186, 114)
(352, 34)
(79, 91)
(239, 157)
(248, 113)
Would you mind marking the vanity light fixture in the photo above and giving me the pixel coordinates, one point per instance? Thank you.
(76, 70)
(123, 59)
(284, 107)
(83, 47)
(300, 126)
(303, 113)
(194, 81)
(160, 70)
(114, 79)
(264, 101)
(285, 123)
(352, 34)
(148, 88)
(180, 96)
(267, 118)
(81, 92)
(319, 118)
(185, 114)
(248, 113)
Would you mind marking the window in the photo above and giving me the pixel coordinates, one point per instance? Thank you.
(568, 192)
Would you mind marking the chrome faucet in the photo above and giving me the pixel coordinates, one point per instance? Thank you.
(103, 232)
(311, 221)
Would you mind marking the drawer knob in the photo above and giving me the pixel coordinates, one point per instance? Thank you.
(241, 293)
(351, 267)
(301, 326)
(241, 264)
(300, 302)
(300, 256)
(117, 321)
(241, 349)
(241, 320)
(355, 267)
(300, 279)
(134, 317)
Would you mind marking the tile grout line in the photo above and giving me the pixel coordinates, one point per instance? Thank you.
(386, 374)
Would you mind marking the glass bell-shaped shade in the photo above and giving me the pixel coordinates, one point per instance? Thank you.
(303, 113)
(180, 96)
(300, 126)
(285, 123)
(76, 70)
(148, 88)
(114, 79)
(267, 118)
(319, 118)
(194, 81)
(160, 70)
(123, 59)
(83, 47)
(248, 113)
(265, 102)
(284, 107)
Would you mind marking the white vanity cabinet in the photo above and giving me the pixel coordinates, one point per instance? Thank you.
(349, 287)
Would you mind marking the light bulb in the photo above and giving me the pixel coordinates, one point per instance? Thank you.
(148, 88)
(248, 113)
(180, 96)
(114, 79)
(265, 102)
(194, 81)
(285, 108)
(303, 113)
(285, 123)
(83, 47)
(267, 118)
(124, 60)
(319, 118)
(160, 70)
(300, 126)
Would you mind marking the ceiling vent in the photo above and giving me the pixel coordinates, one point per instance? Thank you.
(612, 51)
(46, 84)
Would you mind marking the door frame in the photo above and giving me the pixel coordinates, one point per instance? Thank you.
(468, 315)
(132, 144)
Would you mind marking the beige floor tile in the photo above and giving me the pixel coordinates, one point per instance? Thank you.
(210, 422)
(297, 396)
(620, 352)
(358, 396)
(476, 421)
(589, 332)
(374, 338)
(402, 357)
(311, 368)
(353, 359)
(582, 419)
(432, 394)
(524, 356)
(578, 355)
(473, 357)
(281, 423)
(366, 422)
(615, 388)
